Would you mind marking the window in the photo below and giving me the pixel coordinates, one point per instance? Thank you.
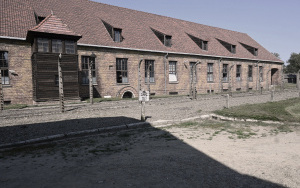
(56, 46)
(149, 64)
(70, 47)
(250, 78)
(192, 64)
(210, 70)
(230, 47)
(201, 43)
(117, 35)
(43, 45)
(261, 73)
(165, 39)
(122, 70)
(252, 50)
(238, 72)
(4, 68)
(204, 45)
(225, 73)
(85, 60)
(172, 71)
(168, 40)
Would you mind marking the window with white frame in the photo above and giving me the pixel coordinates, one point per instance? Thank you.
(85, 61)
(210, 72)
(225, 73)
(250, 73)
(149, 67)
(122, 70)
(172, 71)
(4, 67)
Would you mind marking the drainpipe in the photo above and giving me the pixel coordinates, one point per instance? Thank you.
(193, 81)
(165, 64)
(220, 82)
(139, 75)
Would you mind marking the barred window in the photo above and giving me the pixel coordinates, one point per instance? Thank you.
(122, 70)
(250, 77)
(4, 68)
(43, 44)
(210, 72)
(225, 73)
(172, 71)
(85, 60)
(238, 72)
(149, 64)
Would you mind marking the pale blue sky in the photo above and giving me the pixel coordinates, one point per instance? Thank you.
(275, 24)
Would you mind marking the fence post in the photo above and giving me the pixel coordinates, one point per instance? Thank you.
(1, 93)
(227, 100)
(272, 94)
(61, 86)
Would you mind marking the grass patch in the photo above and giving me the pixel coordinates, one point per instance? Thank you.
(275, 111)
(15, 106)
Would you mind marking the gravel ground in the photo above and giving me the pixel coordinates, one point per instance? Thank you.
(36, 122)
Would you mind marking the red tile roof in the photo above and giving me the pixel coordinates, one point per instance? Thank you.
(52, 24)
(85, 17)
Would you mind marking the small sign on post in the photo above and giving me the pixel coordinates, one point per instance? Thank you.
(143, 97)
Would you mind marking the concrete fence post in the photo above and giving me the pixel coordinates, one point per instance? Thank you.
(143, 117)
(227, 100)
(60, 85)
(1, 93)
(272, 94)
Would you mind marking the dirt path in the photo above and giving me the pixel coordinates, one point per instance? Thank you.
(175, 156)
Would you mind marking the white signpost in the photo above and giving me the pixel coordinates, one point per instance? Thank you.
(143, 97)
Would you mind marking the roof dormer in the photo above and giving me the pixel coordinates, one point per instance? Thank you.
(115, 33)
(164, 38)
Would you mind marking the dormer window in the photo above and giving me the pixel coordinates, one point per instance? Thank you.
(165, 39)
(115, 33)
(201, 43)
(252, 50)
(230, 47)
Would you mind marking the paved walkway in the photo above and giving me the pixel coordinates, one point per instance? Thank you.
(31, 123)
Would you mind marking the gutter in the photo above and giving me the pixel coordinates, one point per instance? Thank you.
(178, 53)
(12, 38)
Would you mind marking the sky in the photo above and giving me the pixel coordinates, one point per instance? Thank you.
(275, 24)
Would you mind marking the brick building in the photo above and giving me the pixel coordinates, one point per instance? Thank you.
(35, 32)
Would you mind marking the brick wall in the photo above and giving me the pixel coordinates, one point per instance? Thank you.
(106, 73)
(19, 59)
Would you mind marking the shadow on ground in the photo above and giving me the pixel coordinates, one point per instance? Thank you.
(141, 157)
(18, 133)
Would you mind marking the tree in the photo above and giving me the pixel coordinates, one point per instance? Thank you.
(293, 63)
(276, 54)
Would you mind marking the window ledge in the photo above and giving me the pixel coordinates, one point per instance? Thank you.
(123, 83)
(210, 82)
(4, 86)
(174, 82)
